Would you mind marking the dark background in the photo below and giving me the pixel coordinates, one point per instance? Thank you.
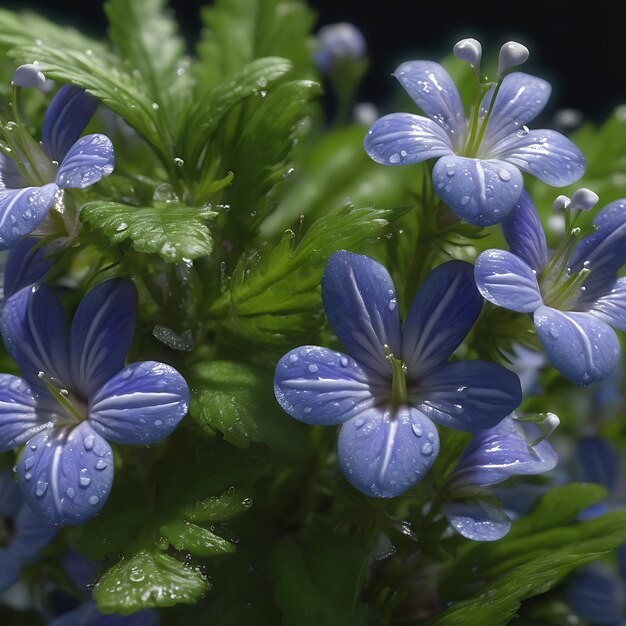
(581, 51)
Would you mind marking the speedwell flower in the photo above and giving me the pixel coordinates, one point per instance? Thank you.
(74, 396)
(393, 383)
(575, 296)
(26, 263)
(29, 183)
(477, 173)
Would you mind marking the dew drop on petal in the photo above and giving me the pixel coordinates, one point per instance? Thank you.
(427, 449)
(89, 441)
(312, 368)
(344, 361)
(465, 200)
(93, 500)
(70, 492)
(394, 158)
(417, 430)
(41, 488)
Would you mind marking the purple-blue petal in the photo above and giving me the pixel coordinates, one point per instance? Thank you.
(481, 192)
(403, 138)
(101, 334)
(320, 386)
(140, 405)
(468, 395)
(599, 462)
(10, 175)
(65, 120)
(22, 210)
(524, 233)
(88, 615)
(27, 263)
(82, 571)
(442, 313)
(519, 101)
(31, 535)
(360, 302)
(10, 498)
(580, 346)
(478, 521)
(611, 307)
(546, 154)
(507, 281)
(86, 162)
(66, 474)
(383, 453)
(597, 595)
(10, 569)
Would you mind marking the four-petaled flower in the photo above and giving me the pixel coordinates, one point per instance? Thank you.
(393, 383)
(477, 173)
(75, 396)
(575, 296)
(64, 160)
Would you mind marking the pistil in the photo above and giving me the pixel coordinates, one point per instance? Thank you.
(60, 395)
(399, 391)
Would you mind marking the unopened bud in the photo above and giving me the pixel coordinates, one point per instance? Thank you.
(511, 54)
(29, 75)
(584, 199)
(561, 203)
(468, 50)
(339, 43)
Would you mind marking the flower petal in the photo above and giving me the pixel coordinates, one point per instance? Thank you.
(31, 536)
(402, 138)
(140, 405)
(66, 474)
(507, 281)
(86, 162)
(87, 614)
(27, 263)
(597, 595)
(583, 348)
(34, 333)
(10, 175)
(442, 313)
(432, 89)
(468, 395)
(360, 301)
(481, 192)
(611, 307)
(101, 334)
(599, 462)
(65, 120)
(546, 154)
(383, 455)
(10, 498)
(478, 521)
(10, 569)
(523, 232)
(519, 101)
(22, 210)
(320, 386)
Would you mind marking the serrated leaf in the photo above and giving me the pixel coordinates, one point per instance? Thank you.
(189, 537)
(148, 578)
(173, 232)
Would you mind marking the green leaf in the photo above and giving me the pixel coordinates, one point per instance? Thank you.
(172, 231)
(148, 578)
(188, 537)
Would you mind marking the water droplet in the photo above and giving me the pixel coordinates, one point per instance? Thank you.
(29, 462)
(93, 500)
(450, 172)
(293, 358)
(554, 333)
(344, 361)
(427, 449)
(136, 575)
(41, 488)
(84, 478)
(155, 106)
(100, 465)
(179, 161)
(417, 430)
(392, 305)
(89, 441)
(465, 200)
(121, 226)
(158, 423)
(431, 436)
(313, 368)
(504, 175)
(395, 158)
(359, 421)
(247, 502)
(70, 492)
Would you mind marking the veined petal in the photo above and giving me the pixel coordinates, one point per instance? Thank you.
(65, 120)
(10, 498)
(468, 395)
(611, 307)
(140, 405)
(360, 302)
(31, 536)
(383, 455)
(86, 162)
(25, 265)
(597, 595)
(34, 333)
(478, 521)
(481, 192)
(546, 154)
(66, 474)
(523, 232)
(582, 347)
(403, 138)
(599, 462)
(442, 313)
(320, 386)
(432, 89)
(10, 175)
(507, 281)
(519, 101)
(101, 334)
(19, 418)
(22, 210)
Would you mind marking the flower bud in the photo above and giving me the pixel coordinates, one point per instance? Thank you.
(561, 203)
(584, 199)
(468, 50)
(511, 54)
(339, 42)
(29, 75)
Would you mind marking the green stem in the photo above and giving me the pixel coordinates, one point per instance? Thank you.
(59, 396)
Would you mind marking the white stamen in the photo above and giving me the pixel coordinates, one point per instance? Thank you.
(511, 54)
(584, 199)
(28, 75)
(469, 50)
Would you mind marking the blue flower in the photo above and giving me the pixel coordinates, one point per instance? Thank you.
(393, 383)
(339, 43)
(29, 536)
(26, 263)
(75, 395)
(575, 296)
(63, 160)
(477, 173)
(493, 456)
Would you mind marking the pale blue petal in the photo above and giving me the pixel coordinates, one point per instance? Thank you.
(86, 162)
(442, 313)
(10, 498)
(360, 302)
(66, 474)
(468, 395)
(507, 281)
(583, 348)
(611, 307)
(478, 521)
(402, 138)
(432, 89)
(320, 386)
(22, 210)
(523, 232)
(597, 595)
(27, 263)
(599, 462)
(546, 154)
(140, 405)
(481, 192)
(383, 454)
(31, 536)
